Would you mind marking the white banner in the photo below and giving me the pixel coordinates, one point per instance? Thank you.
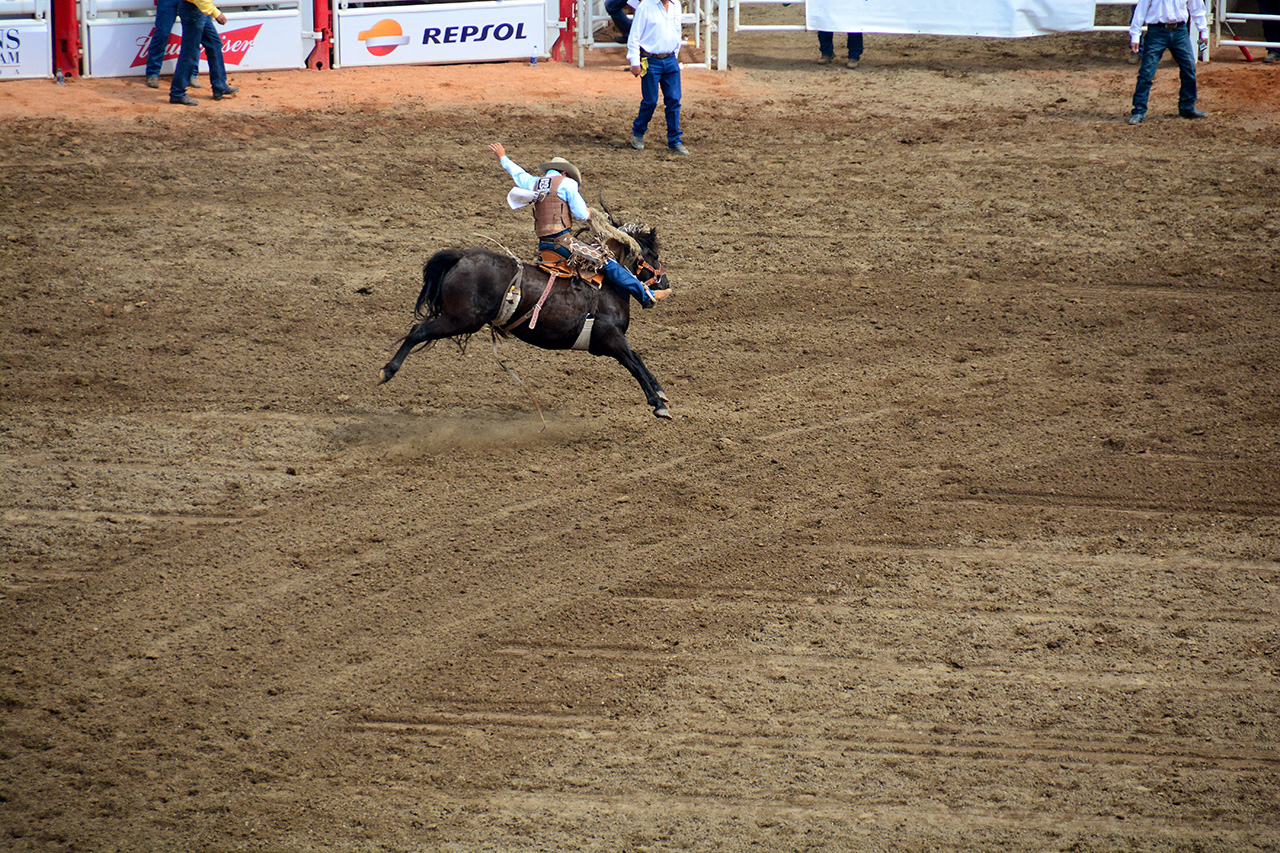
(994, 18)
(26, 49)
(441, 33)
(251, 41)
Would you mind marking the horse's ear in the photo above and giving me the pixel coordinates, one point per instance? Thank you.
(613, 220)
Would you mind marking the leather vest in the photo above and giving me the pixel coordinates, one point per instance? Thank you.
(550, 212)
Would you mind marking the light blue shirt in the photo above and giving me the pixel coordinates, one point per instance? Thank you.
(567, 191)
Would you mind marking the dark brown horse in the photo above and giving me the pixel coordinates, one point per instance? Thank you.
(464, 289)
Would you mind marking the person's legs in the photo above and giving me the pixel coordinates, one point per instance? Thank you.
(617, 10)
(166, 14)
(669, 81)
(826, 44)
(855, 47)
(1185, 56)
(1152, 49)
(193, 21)
(616, 274)
(212, 43)
(648, 101)
(1270, 29)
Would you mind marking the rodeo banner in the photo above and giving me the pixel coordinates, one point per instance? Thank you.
(992, 18)
(440, 32)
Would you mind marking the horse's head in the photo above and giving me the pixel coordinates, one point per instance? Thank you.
(647, 267)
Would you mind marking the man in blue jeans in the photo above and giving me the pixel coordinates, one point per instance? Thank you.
(653, 52)
(1166, 22)
(166, 14)
(198, 31)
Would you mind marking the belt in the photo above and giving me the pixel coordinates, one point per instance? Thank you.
(1170, 25)
(646, 54)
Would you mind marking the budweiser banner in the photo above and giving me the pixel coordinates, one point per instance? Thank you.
(26, 48)
(441, 33)
(997, 18)
(251, 41)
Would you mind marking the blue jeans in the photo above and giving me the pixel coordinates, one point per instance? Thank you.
(617, 10)
(1178, 43)
(166, 14)
(664, 75)
(614, 273)
(1270, 29)
(198, 31)
(827, 45)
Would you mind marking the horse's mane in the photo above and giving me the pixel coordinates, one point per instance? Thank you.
(642, 234)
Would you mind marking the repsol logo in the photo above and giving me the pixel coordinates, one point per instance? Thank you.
(470, 33)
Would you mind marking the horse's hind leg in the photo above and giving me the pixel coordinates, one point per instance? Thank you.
(422, 333)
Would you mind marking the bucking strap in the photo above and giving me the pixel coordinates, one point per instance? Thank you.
(510, 302)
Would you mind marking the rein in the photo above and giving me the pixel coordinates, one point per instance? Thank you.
(644, 266)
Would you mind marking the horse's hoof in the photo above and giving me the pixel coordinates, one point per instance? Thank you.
(662, 395)
(384, 376)
(662, 412)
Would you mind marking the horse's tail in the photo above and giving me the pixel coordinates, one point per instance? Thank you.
(433, 273)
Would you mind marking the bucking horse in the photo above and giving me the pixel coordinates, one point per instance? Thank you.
(541, 304)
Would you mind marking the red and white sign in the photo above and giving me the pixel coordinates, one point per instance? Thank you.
(250, 42)
(441, 33)
(235, 44)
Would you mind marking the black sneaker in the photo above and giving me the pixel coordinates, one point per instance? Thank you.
(231, 90)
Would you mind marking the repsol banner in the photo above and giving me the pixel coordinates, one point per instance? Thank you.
(995, 18)
(26, 48)
(441, 33)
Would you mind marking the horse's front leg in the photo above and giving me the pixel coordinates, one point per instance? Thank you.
(630, 359)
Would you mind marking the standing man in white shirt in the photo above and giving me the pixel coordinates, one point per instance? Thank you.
(1166, 22)
(653, 52)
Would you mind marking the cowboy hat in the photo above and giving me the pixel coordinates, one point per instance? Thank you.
(562, 166)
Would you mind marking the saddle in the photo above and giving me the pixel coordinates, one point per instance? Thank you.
(561, 267)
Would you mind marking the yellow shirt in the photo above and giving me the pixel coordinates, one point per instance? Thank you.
(207, 7)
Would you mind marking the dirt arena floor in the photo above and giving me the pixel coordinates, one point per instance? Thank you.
(965, 534)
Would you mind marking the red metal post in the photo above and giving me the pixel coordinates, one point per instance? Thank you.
(321, 56)
(66, 38)
(562, 50)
